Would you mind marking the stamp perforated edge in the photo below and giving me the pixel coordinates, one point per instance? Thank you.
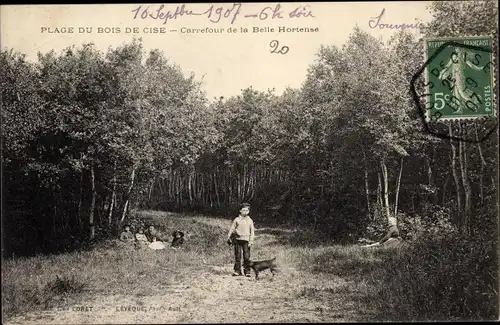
(494, 47)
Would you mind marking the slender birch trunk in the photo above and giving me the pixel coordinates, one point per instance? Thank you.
(216, 188)
(80, 221)
(367, 188)
(239, 187)
(483, 165)
(465, 181)
(127, 196)
(379, 194)
(151, 187)
(190, 188)
(92, 204)
(54, 216)
(398, 185)
(113, 197)
(455, 177)
(430, 181)
(385, 189)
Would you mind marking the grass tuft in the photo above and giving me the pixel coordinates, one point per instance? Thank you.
(65, 285)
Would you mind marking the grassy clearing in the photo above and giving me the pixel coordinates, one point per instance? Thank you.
(449, 279)
(46, 281)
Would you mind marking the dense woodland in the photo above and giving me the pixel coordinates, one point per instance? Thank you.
(88, 137)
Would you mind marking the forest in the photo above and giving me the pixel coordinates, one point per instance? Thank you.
(90, 137)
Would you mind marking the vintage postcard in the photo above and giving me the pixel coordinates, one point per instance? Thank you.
(249, 162)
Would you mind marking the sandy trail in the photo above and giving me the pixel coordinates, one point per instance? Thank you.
(213, 296)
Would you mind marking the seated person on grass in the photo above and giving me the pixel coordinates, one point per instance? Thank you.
(152, 234)
(393, 232)
(127, 236)
(178, 239)
(141, 239)
(155, 238)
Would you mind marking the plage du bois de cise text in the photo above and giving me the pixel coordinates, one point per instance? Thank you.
(214, 14)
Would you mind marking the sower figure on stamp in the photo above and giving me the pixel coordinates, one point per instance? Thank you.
(241, 235)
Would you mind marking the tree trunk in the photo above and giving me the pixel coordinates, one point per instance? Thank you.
(230, 187)
(462, 158)
(127, 196)
(239, 186)
(458, 217)
(217, 197)
(151, 187)
(190, 188)
(483, 165)
(397, 188)
(385, 189)
(430, 181)
(54, 216)
(244, 189)
(367, 188)
(161, 184)
(92, 204)
(177, 188)
(445, 188)
(379, 194)
(79, 218)
(113, 198)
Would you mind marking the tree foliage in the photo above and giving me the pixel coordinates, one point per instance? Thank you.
(87, 136)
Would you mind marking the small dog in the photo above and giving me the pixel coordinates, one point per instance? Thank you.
(258, 266)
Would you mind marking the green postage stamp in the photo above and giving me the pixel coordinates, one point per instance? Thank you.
(459, 78)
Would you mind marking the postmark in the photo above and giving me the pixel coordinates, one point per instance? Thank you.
(459, 79)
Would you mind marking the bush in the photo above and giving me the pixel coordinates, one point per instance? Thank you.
(451, 278)
(433, 221)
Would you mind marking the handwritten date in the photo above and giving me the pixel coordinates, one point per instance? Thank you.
(216, 13)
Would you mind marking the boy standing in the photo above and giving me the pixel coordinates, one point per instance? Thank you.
(241, 235)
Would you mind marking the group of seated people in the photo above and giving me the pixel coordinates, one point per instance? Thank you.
(151, 238)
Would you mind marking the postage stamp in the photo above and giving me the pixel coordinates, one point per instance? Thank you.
(459, 78)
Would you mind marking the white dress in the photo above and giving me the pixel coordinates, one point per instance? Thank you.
(157, 245)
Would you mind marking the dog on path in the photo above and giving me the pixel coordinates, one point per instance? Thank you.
(259, 266)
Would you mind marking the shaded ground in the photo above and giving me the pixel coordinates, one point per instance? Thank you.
(210, 294)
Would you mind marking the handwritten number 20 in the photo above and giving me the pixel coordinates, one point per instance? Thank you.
(274, 48)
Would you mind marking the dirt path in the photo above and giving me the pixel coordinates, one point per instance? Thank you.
(213, 295)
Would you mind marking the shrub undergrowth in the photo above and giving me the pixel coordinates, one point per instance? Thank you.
(450, 278)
